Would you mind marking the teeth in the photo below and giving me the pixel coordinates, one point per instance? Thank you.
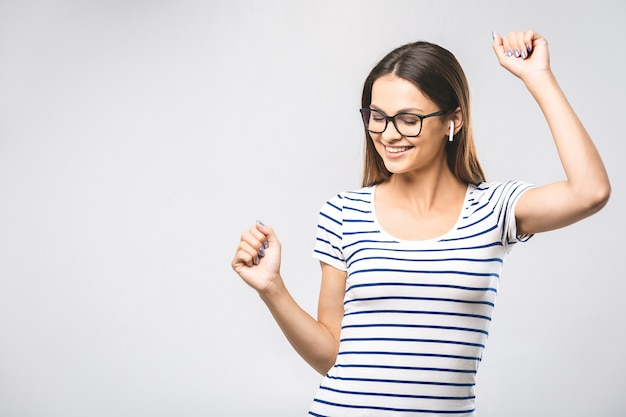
(396, 149)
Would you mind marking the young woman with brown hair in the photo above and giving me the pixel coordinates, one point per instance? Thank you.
(411, 261)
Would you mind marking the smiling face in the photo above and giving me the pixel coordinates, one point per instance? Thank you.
(401, 155)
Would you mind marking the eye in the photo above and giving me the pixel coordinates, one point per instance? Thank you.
(408, 119)
(377, 117)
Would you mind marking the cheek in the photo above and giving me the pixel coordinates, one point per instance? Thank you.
(374, 147)
(437, 129)
(374, 140)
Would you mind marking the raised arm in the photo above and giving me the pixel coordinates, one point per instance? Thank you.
(257, 262)
(586, 188)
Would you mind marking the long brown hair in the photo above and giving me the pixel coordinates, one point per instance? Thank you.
(439, 76)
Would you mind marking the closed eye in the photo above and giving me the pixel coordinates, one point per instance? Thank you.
(408, 119)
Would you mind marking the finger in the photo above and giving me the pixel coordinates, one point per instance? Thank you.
(519, 49)
(242, 259)
(252, 251)
(262, 231)
(506, 46)
(497, 45)
(511, 44)
(515, 46)
(253, 241)
(268, 232)
(249, 238)
(528, 41)
(260, 236)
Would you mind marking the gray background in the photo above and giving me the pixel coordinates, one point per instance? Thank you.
(138, 139)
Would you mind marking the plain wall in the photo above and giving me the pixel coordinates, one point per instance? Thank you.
(138, 139)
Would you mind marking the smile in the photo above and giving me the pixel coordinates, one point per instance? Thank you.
(397, 149)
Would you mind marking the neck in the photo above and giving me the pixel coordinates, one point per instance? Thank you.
(425, 190)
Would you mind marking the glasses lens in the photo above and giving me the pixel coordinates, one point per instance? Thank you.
(374, 121)
(408, 124)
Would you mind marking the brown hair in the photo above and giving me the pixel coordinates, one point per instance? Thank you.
(439, 76)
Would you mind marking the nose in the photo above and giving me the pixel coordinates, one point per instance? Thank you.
(391, 133)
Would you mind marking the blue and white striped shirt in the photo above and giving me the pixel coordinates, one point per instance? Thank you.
(417, 313)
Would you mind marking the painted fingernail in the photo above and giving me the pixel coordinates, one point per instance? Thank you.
(260, 222)
(262, 252)
(528, 48)
(524, 54)
(509, 53)
(257, 260)
(266, 244)
(517, 54)
(493, 35)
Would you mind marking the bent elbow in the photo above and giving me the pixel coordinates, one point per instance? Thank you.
(598, 198)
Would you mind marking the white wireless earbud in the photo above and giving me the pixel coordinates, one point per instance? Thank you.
(451, 137)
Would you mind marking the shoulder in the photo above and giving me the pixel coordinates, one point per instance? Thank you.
(351, 198)
(490, 190)
(496, 197)
(344, 205)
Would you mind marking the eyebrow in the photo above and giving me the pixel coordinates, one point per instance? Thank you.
(406, 110)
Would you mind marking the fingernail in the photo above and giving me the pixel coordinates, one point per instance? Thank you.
(524, 54)
(266, 244)
(509, 53)
(517, 54)
(260, 222)
(257, 260)
(493, 35)
(262, 252)
(528, 47)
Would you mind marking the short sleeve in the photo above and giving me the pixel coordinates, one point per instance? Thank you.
(512, 192)
(328, 243)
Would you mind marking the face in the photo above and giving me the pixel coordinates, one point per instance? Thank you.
(392, 95)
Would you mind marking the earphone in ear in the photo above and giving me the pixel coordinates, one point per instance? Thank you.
(451, 137)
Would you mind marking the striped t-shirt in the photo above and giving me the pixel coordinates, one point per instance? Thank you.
(417, 313)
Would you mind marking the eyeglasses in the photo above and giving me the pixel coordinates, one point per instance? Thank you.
(407, 124)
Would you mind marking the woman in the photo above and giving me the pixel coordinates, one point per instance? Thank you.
(411, 261)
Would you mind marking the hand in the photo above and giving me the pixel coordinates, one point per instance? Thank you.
(524, 54)
(257, 260)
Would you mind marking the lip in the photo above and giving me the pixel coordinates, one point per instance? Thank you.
(395, 152)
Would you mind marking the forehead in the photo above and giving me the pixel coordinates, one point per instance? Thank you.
(391, 93)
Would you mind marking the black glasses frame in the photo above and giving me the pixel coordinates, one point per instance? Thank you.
(393, 120)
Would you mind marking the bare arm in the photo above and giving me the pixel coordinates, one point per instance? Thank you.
(586, 188)
(317, 341)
